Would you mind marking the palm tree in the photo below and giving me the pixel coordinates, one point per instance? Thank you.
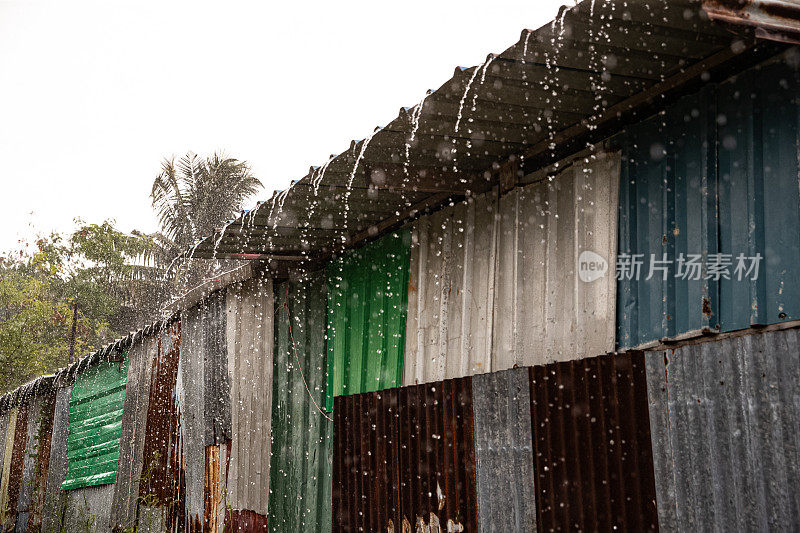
(196, 195)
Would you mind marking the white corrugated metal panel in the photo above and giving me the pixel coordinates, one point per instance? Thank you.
(544, 312)
(250, 333)
(449, 323)
(505, 273)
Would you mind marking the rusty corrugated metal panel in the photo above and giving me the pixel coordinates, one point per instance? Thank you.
(544, 310)
(213, 503)
(405, 458)
(54, 498)
(141, 357)
(591, 439)
(451, 292)
(250, 308)
(245, 521)
(778, 20)
(504, 451)
(8, 452)
(163, 483)
(37, 460)
(302, 435)
(725, 419)
(14, 485)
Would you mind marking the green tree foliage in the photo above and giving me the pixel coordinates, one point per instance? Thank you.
(106, 272)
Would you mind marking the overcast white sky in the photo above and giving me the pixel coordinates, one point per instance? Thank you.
(93, 95)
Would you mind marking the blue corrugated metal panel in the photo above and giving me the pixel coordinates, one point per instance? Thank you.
(759, 207)
(716, 173)
(724, 419)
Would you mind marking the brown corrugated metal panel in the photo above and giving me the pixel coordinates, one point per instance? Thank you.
(591, 439)
(404, 459)
(451, 292)
(162, 484)
(89, 509)
(213, 503)
(15, 471)
(37, 463)
(504, 451)
(544, 309)
(8, 452)
(250, 338)
(244, 521)
(54, 498)
(141, 357)
(725, 422)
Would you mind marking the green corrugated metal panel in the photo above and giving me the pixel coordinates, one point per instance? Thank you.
(95, 421)
(717, 173)
(302, 435)
(367, 297)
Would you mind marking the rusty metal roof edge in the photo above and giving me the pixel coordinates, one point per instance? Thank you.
(777, 20)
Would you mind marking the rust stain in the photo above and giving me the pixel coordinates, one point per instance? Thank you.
(706, 306)
(244, 521)
(17, 462)
(164, 483)
(43, 463)
(211, 501)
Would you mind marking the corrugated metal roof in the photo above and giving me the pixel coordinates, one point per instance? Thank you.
(606, 58)
(404, 459)
(591, 440)
(773, 19)
(725, 419)
(301, 463)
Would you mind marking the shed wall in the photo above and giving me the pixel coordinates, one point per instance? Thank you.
(725, 418)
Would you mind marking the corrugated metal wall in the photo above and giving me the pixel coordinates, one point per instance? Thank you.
(250, 340)
(55, 500)
(725, 419)
(367, 302)
(450, 292)
(504, 452)
(141, 358)
(404, 459)
(8, 449)
(36, 463)
(591, 441)
(544, 312)
(162, 484)
(89, 509)
(716, 173)
(302, 435)
(496, 285)
(14, 485)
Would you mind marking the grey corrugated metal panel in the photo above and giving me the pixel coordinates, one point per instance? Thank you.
(450, 292)
(504, 451)
(35, 411)
(190, 396)
(8, 452)
(250, 335)
(543, 310)
(218, 383)
(5, 419)
(89, 509)
(302, 434)
(151, 520)
(725, 418)
(54, 498)
(141, 357)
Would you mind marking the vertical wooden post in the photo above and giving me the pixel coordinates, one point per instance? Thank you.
(72, 332)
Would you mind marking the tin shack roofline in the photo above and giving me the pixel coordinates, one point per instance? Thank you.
(574, 82)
